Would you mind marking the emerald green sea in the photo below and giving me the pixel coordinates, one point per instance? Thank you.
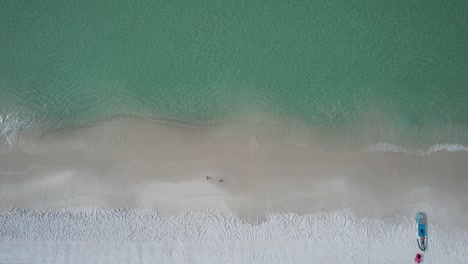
(396, 71)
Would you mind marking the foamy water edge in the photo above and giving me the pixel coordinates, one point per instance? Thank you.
(388, 147)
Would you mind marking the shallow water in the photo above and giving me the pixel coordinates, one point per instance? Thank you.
(358, 73)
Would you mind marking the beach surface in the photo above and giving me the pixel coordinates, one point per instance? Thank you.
(129, 191)
(122, 236)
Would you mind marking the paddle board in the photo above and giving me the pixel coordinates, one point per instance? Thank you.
(422, 236)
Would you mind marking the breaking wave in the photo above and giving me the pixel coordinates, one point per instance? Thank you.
(388, 147)
(12, 120)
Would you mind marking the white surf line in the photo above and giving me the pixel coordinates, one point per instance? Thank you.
(388, 147)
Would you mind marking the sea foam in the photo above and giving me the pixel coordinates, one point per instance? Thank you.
(388, 147)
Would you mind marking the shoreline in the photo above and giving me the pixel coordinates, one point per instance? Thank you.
(162, 167)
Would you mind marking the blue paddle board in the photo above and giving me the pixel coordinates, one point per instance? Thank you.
(422, 236)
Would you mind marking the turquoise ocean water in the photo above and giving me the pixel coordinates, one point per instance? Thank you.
(395, 69)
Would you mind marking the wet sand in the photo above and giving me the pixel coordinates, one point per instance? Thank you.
(147, 165)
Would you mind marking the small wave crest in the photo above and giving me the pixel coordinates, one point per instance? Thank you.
(10, 123)
(388, 147)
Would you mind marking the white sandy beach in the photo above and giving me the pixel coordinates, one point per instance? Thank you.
(207, 237)
(284, 199)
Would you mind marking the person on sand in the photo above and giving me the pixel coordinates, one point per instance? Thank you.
(208, 177)
(417, 259)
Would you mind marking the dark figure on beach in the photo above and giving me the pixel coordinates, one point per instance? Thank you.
(417, 259)
(208, 177)
(221, 180)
